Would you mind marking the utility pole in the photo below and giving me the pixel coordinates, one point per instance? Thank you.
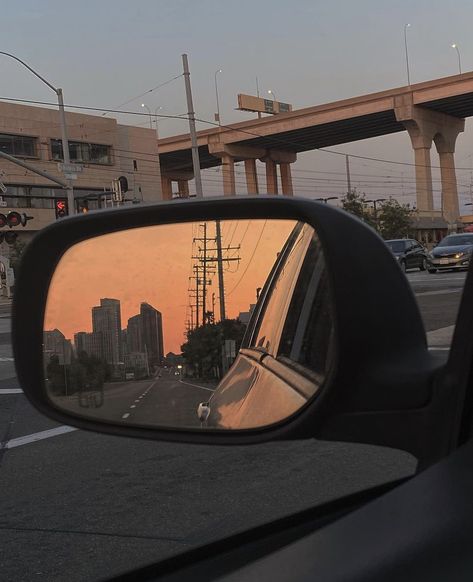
(191, 115)
(220, 259)
(221, 285)
(203, 259)
(347, 164)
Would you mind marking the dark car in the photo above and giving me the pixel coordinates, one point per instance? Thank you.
(453, 252)
(409, 253)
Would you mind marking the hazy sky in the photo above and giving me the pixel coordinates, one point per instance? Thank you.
(309, 52)
(156, 269)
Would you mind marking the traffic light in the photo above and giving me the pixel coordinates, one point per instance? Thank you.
(9, 237)
(61, 208)
(13, 219)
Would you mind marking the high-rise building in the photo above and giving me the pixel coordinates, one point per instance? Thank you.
(56, 344)
(133, 335)
(106, 319)
(91, 343)
(152, 333)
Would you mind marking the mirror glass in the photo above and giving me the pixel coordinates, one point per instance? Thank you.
(219, 324)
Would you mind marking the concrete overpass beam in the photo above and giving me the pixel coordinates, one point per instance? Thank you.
(228, 171)
(286, 179)
(251, 177)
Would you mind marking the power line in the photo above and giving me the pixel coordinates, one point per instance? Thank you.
(251, 258)
(232, 127)
(148, 91)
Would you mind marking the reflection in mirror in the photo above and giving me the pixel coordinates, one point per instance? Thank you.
(145, 326)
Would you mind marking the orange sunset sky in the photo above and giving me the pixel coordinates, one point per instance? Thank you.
(153, 264)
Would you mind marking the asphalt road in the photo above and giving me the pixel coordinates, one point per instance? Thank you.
(79, 506)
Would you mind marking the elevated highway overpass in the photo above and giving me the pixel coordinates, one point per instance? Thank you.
(432, 112)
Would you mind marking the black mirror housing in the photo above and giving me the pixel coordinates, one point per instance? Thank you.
(383, 373)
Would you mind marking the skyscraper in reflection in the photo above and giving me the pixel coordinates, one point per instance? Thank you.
(152, 333)
(106, 320)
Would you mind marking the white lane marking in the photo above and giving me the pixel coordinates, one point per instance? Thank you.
(37, 436)
(133, 406)
(439, 292)
(434, 349)
(5, 359)
(197, 386)
(136, 400)
(11, 391)
(126, 415)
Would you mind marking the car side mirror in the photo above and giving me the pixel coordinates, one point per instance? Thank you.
(309, 345)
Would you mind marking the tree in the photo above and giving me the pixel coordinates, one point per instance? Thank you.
(356, 204)
(203, 350)
(395, 219)
(16, 253)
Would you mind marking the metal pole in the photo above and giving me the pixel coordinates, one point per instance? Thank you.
(406, 26)
(221, 287)
(347, 164)
(160, 186)
(33, 169)
(196, 270)
(191, 115)
(65, 152)
(257, 94)
(216, 96)
(459, 59)
(204, 284)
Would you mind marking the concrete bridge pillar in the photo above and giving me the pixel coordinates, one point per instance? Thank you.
(166, 186)
(284, 159)
(228, 171)
(424, 127)
(183, 186)
(182, 178)
(271, 176)
(251, 176)
(286, 179)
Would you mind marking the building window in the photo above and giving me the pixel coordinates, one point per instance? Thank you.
(87, 153)
(135, 165)
(18, 145)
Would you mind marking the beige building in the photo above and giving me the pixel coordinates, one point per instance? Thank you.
(104, 149)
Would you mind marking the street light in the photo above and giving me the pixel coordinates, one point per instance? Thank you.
(270, 92)
(62, 118)
(325, 200)
(217, 116)
(406, 26)
(151, 115)
(455, 46)
(375, 209)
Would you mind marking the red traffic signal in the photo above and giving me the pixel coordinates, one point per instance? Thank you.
(13, 219)
(61, 208)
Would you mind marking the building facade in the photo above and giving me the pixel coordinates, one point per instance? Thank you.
(104, 150)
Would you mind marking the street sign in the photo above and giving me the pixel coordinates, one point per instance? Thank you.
(70, 169)
(3, 188)
(69, 176)
(3, 203)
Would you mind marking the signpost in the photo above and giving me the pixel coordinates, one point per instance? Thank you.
(261, 105)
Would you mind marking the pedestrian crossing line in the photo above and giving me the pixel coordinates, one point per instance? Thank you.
(37, 436)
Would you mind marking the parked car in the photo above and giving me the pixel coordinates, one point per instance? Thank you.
(452, 252)
(409, 253)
